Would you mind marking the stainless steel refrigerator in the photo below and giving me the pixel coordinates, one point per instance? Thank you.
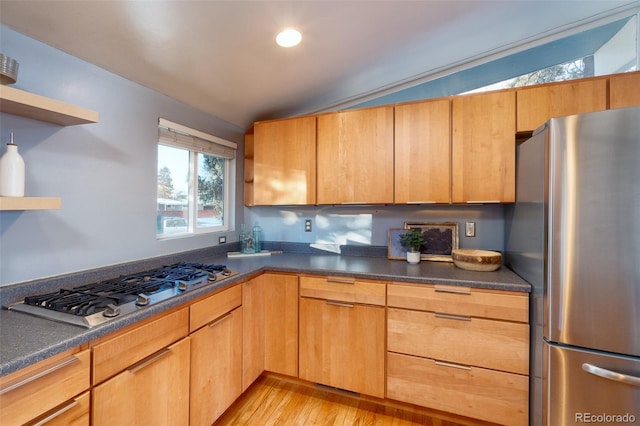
(574, 235)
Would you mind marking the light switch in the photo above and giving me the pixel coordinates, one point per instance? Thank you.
(470, 229)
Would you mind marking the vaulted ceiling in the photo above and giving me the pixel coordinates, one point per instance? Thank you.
(220, 56)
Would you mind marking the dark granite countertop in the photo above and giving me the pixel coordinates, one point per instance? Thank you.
(25, 339)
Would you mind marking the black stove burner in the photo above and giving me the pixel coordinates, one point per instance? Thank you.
(93, 298)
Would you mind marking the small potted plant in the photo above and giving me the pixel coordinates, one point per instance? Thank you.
(412, 240)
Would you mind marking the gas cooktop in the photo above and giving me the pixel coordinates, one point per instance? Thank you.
(93, 304)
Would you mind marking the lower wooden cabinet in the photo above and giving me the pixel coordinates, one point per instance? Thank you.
(154, 391)
(46, 390)
(461, 350)
(342, 345)
(489, 395)
(252, 330)
(216, 367)
(281, 323)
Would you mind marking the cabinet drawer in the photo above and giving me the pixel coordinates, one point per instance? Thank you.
(343, 289)
(205, 311)
(458, 300)
(75, 412)
(43, 387)
(493, 396)
(114, 355)
(498, 345)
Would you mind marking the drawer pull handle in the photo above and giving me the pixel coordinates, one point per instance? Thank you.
(344, 305)
(453, 317)
(219, 320)
(39, 374)
(452, 365)
(483, 201)
(58, 413)
(455, 290)
(611, 375)
(341, 280)
(422, 202)
(148, 361)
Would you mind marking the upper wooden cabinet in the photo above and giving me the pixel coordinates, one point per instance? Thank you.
(483, 148)
(537, 104)
(355, 156)
(624, 90)
(423, 152)
(283, 162)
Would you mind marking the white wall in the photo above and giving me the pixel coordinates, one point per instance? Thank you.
(105, 173)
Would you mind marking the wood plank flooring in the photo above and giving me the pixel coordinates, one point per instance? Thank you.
(273, 400)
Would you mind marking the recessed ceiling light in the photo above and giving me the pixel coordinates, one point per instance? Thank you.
(288, 37)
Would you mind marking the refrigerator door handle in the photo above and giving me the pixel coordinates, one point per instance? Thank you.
(611, 375)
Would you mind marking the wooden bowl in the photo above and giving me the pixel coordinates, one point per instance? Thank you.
(476, 260)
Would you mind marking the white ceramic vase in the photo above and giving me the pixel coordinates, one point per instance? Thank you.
(413, 257)
(11, 172)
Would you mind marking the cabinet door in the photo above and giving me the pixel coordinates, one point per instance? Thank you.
(154, 391)
(484, 148)
(252, 330)
(281, 323)
(216, 367)
(537, 104)
(423, 152)
(342, 345)
(355, 156)
(284, 162)
(624, 90)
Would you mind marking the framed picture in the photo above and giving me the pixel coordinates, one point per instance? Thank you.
(440, 239)
(395, 250)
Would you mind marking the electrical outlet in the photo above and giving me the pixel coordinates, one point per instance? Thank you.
(307, 225)
(470, 229)
(222, 239)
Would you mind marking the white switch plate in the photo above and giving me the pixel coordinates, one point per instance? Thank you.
(470, 229)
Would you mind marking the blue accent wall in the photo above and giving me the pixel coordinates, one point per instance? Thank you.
(105, 173)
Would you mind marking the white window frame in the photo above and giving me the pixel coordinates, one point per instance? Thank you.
(196, 142)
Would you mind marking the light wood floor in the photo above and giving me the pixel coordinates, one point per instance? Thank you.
(273, 400)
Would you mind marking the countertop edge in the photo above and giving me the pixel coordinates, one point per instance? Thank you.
(74, 336)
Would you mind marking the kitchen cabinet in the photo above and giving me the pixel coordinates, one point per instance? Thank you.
(423, 152)
(284, 162)
(537, 104)
(624, 90)
(52, 389)
(248, 168)
(253, 345)
(142, 372)
(112, 354)
(342, 330)
(483, 148)
(281, 323)
(154, 391)
(216, 355)
(477, 350)
(355, 156)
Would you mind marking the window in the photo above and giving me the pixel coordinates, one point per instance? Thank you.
(195, 181)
